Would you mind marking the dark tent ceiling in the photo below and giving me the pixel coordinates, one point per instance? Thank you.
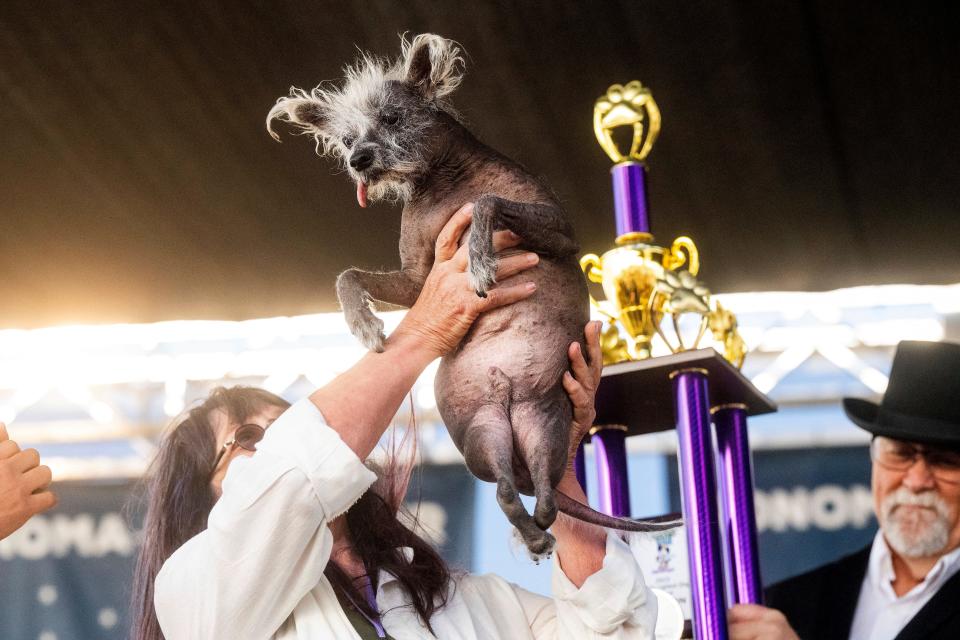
(806, 145)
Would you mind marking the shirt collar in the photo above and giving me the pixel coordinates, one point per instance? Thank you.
(385, 577)
(880, 569)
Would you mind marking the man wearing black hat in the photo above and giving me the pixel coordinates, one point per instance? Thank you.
(906, 585)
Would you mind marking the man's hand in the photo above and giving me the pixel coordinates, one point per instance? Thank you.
(756, 622)
(24, 485)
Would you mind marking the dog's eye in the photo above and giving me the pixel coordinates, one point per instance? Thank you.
(391, 117)
(347, 141)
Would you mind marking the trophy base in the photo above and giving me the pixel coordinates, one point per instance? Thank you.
(640, 394)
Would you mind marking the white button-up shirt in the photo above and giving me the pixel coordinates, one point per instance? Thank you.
(257, 570)
(880, 613)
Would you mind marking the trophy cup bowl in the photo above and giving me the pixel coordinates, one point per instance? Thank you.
(629, 275)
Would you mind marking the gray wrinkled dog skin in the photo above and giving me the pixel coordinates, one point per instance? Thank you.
(500, 393)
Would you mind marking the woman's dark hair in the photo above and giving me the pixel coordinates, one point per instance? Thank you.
(179, 499)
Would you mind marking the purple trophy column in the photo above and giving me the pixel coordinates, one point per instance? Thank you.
(698, 495)
(610, 453)
(736, 474)
(580, 466)
(630, 197)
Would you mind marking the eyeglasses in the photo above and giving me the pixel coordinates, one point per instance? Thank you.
(246, 437)
(896, 455)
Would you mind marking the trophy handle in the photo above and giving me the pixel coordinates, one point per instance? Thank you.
(682, 251)
(592, 267)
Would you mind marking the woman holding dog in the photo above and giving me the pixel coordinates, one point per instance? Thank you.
(293, 543)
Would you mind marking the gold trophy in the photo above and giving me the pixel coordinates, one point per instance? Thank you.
(645, 282)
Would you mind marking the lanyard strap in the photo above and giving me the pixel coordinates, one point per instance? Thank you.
(372, 601)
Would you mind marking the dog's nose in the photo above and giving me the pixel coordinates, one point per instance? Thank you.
(361, 159)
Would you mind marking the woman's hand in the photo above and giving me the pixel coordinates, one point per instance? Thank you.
(448, 304)
(581, 547)
(582, 385)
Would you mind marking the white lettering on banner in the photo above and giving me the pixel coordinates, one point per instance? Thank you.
(72, 532)
(828, 507)
(60, 535)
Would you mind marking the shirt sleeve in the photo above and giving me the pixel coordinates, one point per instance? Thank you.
(266, 544)
(613, 603)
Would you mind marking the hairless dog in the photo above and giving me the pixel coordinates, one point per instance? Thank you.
(500, 393)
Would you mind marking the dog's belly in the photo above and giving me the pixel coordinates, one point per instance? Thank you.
(528, 342)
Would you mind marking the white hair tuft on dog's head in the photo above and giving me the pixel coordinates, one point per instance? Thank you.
(431, 64)
(300, 109)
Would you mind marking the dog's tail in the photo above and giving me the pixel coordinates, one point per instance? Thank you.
(580, 511)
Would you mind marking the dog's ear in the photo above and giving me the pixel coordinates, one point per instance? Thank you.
(300, 109)
(432, 65)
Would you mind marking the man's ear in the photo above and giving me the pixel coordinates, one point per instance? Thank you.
(432, 65)
(300, 109)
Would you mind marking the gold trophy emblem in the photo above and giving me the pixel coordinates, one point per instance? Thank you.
(627, 105)
(644, 282)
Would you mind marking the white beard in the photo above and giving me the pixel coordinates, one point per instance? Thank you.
(915, 533)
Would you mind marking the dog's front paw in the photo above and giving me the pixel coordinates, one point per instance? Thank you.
(367, 328)
(482, 268)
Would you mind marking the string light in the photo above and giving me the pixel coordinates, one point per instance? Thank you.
(129, 380)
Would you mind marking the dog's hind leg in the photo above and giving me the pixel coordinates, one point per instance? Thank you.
(488, 451)
(540, 429)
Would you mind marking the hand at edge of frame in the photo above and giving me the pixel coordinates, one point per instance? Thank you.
(24, 485)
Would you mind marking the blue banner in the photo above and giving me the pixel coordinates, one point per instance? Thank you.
(813, 506)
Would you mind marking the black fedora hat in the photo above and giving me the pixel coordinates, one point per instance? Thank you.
(922, 400)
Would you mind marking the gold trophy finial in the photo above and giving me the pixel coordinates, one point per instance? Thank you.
(627, 105)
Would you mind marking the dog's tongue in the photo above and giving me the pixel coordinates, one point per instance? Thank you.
(361, 193)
